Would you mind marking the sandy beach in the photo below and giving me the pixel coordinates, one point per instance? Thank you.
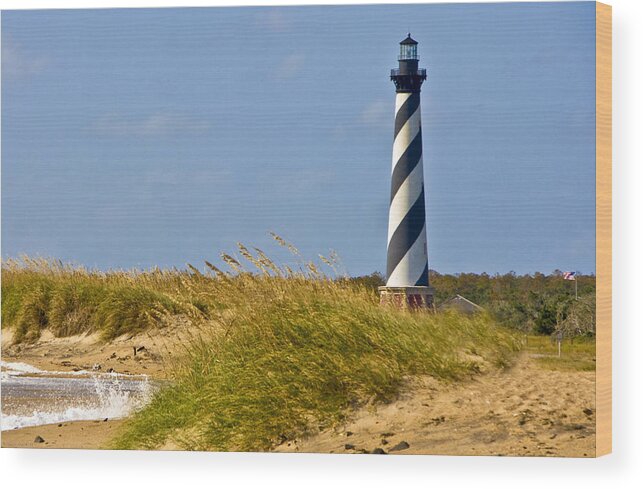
(77, 434)
(525, 411)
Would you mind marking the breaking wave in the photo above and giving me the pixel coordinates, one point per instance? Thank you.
(31, 398)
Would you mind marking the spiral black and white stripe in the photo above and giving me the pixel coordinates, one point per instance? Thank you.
(407, 261)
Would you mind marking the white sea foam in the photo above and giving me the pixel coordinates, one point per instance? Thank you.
(74, 399)
(18, 368)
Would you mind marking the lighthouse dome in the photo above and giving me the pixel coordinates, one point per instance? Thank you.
(409, 40)
(408, 49)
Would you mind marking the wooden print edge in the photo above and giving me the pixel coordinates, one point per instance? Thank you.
(603, 229)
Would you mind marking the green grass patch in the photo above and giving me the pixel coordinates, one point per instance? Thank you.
(577, 354)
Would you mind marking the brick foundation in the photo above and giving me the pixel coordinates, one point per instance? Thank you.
(416, 298)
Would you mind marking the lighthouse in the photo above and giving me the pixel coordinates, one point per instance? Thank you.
(407, 265)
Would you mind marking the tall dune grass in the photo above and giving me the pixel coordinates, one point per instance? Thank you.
(39, 294)
(296, 352)
(302, 365)
(281, 350)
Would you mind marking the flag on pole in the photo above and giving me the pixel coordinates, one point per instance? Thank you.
(569, 275)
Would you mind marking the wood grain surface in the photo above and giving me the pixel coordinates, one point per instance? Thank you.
(603, 229)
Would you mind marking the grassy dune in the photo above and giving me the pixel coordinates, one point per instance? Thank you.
(39, 294)
(279, 352)
(304, 355)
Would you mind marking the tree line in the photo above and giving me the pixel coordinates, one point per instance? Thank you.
(532, 303)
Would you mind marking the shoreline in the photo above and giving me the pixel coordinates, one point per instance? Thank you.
(148, 353)
(78, 358)
(86, 435)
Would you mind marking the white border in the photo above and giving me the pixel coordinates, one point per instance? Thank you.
(102, 469)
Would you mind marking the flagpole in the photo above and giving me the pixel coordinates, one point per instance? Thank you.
(576, 286)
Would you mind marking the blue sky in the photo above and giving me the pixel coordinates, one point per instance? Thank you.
(135, 138)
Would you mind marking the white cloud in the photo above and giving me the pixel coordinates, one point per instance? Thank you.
(290, 66)
(17, 63)
(151, 125)
(377, 113)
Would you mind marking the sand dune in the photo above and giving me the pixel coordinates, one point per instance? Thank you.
(526, 411)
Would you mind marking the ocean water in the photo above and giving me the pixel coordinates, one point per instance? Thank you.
(32, 397)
